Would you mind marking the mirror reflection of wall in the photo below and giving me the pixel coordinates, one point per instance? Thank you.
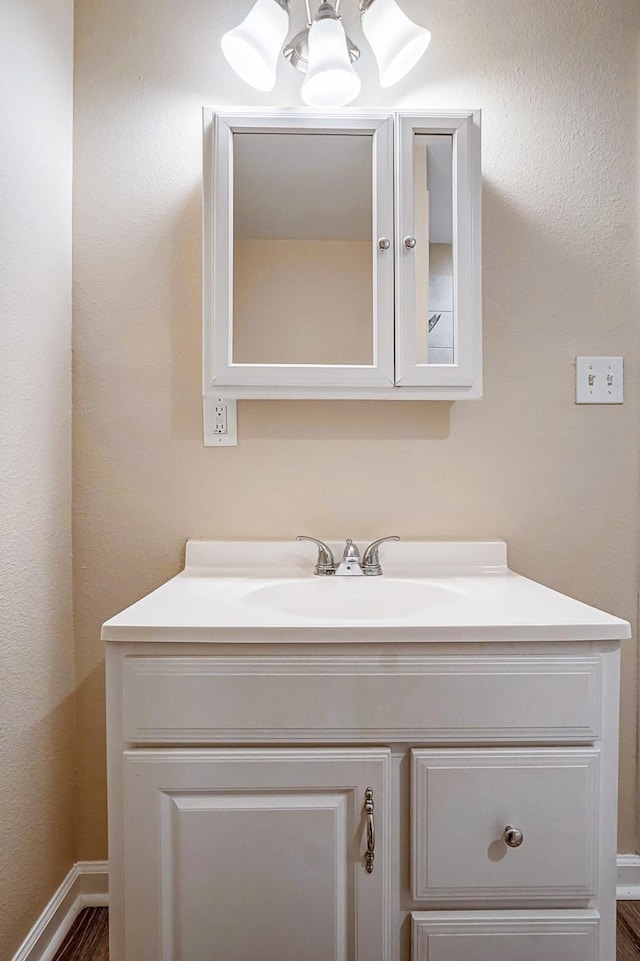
(302, 249)
(433, 194)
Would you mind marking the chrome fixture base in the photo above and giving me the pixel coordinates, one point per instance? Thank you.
(363, 5)
(285, 4)
(297, 51)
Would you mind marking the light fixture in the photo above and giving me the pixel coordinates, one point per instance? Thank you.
(331, 80)
(322, 50)
(252, 48)
(397, 42)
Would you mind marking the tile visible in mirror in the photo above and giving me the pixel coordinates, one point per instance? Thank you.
(441, 334)
(441, 355)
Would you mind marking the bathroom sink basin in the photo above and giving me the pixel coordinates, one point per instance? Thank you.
(351, 598)
(265, 591)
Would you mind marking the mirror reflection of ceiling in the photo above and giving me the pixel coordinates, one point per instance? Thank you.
(440, 180)
(301, 186)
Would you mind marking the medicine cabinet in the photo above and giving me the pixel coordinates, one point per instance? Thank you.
(342, 255)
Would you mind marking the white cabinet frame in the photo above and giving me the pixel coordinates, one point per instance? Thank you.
(219, 369)
(395, 373)
(465, 373)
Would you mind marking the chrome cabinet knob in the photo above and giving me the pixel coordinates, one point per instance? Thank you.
(384, 243)
(512, 837)
(410, 242)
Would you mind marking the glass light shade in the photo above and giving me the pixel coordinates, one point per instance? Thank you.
(331, 80)
(252, 48)
(397, 42)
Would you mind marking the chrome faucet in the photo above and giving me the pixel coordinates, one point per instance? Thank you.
(351, 564)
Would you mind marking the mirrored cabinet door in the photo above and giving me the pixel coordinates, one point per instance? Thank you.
(299, 275)
(438, 288)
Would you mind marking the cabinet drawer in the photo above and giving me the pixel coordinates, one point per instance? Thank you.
(499, 936)
(463, 800)
(348, 698)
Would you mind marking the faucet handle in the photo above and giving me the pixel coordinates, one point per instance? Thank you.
(325, 563)
(371, 558)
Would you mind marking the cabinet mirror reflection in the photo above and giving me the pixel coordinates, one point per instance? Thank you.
(303, 256)
(434, 253)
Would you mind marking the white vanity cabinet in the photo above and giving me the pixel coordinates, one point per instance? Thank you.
(280, 789)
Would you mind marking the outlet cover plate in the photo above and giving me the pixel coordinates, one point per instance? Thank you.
(213, 407)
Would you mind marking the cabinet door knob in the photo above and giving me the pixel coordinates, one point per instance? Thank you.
(371, 830)
(512, 837)
(384, 243)
(410, 242)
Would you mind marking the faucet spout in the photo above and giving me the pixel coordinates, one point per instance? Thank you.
(350, 565)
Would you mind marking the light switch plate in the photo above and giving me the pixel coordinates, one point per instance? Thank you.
(599, 380)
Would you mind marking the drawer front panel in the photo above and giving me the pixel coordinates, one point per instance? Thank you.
(347, 698)
(464, 800)
(497, 936)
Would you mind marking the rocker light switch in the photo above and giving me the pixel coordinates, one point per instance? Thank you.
(599, 380)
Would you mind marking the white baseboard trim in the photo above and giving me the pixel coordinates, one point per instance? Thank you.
(628, 888)
(86, 885)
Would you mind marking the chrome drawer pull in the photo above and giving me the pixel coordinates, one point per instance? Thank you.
(371, 830)
(512, 837)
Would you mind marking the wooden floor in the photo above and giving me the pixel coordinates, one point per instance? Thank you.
(88, 939)
(628, 943)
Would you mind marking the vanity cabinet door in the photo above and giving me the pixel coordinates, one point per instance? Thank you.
(438, 274)
(235, 855)
(298, 250)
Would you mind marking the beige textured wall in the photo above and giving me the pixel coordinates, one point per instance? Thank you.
(557, 84)
(36, 643)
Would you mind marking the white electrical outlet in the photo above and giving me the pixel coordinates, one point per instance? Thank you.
(599, 380)
(220, 419)
(220, 422)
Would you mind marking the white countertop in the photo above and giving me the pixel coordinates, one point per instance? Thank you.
(437, 591)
